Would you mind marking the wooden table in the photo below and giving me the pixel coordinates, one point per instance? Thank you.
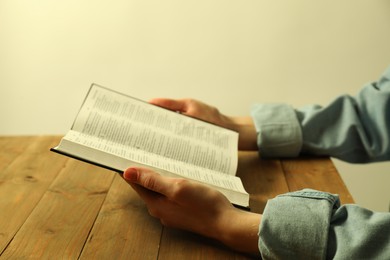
(54, 207)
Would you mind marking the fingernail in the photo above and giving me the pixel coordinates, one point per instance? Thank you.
(131, 174)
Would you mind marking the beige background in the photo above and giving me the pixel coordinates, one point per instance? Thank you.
(227, 53)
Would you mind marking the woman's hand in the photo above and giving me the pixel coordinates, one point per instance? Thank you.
(193, 108)
(189, 205)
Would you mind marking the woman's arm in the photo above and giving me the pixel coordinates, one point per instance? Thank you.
(354, 129)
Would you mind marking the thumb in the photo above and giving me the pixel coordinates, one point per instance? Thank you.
(148, 179)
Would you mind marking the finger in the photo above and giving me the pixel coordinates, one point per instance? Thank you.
(171, 104)
(146, 195)
(149, 180)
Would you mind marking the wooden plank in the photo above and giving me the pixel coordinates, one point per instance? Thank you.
(179, 244)
(315, 173)
(263, 179)
(11, 147)
(61, 222)
(64, 215)
(124, 229)
(24, 181)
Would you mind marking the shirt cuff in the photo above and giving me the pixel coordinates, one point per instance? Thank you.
(279, 133)
(296, 225)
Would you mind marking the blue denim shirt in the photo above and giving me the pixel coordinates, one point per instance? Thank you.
(311, 224)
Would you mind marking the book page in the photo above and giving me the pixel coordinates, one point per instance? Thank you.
(134, 127)
(95, 149)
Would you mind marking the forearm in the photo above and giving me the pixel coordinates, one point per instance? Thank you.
(278, 131)
(246, 130)
(239, 230)
(295, 225)
(354, 129)
(358, 233)
(351, 128)
(310, 224)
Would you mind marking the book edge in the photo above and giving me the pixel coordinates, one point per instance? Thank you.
(58, 151)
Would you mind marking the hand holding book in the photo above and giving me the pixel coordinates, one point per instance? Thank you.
(192, 206)
(117, 131)
(196, 109)
(183, 168)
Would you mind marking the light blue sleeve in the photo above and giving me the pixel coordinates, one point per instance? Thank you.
(353, 129)
(310, 224)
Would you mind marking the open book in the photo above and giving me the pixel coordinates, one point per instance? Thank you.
(116, 131)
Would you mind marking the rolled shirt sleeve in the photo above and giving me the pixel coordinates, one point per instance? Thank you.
(278, 130)
(310, 224)
(353, 129)
(296, 224)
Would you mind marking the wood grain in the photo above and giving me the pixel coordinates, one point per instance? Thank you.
(54, 207)
(24, 181)
(262, 179)
(124, 229)
(315, 173)
(11, 148)
(178, 244)
(62, 220)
